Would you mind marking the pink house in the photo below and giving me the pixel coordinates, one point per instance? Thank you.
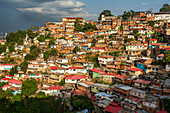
(5, 79)
(5, 87)
(8, 76)
(74, 78)
(15, 83)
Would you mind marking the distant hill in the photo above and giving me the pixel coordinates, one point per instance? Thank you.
(11, 19)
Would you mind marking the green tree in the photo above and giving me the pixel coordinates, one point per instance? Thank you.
(17, 98)
(2, 48)
(77, 25)
(40, 95)
(147, 39)
(106, 13)
(94, 41)
(34, 28)
(161, 39)
(165, 8)
(121, 28)
(53, 52)
(136, 33)
(41, 38)
(29, 87)
(127, 15)
(167, 104)
(34, 52)
(31, 34)
(8, 93)
(82, 102)
(151, 23)
(62, 82)
(95, 60)
(33, 47)
(24, 66)
(46, 55)
(167, 57)
(76, 49)
(13, 70)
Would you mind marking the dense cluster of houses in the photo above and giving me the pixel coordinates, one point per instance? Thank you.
(125, 80)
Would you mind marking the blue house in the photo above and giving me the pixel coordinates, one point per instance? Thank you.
(141, 66)
(85, 47)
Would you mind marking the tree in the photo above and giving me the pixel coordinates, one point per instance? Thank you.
(167, 57)
(94, 41)
(82, 102)
(167, 104)
(13, 70)
(62, 82)
(24, 66)
(17, 98)
(106, 13)
(147, 39)
(115, 53)
(76, 49)
(34, 52)
(136, 33)
(77, 25)
(151, 23)
(41, 38)
(34, 28)
(40, 95)
(29, 87)
(8, 93)
(95, 60)
(2, 48)
(31, 34)
(33, 47)
(127, 15)
(53, 52)
(121, 28)
(46, 55)
(165, 8)
(161, 39)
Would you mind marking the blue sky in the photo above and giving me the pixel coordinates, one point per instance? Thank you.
(119, 6)
(19, 14)
(84, 8)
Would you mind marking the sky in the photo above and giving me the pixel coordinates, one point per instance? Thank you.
(21, 14)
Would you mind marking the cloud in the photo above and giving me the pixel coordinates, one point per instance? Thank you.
(56, 8)
(144, 3)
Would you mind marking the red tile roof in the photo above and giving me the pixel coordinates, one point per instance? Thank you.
(13, 81)
(162, 111)
(113, 109)
(96, 48)
(157, 44)
(79, 92)
(6, 86)
(98, 71)
(54, 88)
(168, 48)
(7, 64)
(114, 104)
(13, 88)
(153, 39)
(113, 74)
(134, 69)
(107, 56)
(75, 68)
(161, 55)
(9, 75)
(5, 78)
(75, 77)
(54, 68)
(142, 81)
